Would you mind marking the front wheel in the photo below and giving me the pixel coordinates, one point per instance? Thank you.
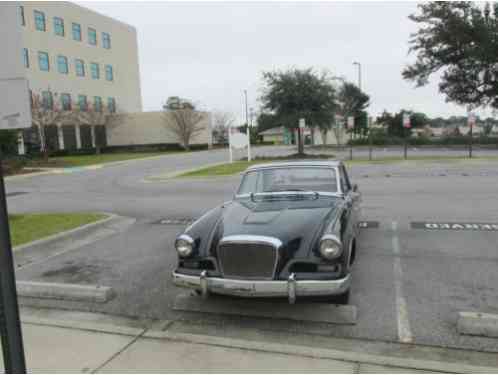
(340, 299)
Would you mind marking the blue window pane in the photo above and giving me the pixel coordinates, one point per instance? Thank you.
(43, 61)
(111, 105)
(25, 56)
(62, 64)
(59, 26)
(82, 103)
(92, 36)
(94, 68)
(97, 103)
(80, 67)
(77, 32)
(108, 73)
(66, 102)
(106, 40)
(39, 20)
(47, 100)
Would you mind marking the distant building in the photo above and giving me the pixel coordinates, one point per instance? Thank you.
(76, 56)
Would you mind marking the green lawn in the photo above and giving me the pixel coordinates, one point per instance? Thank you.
(30, 227)
(84, 160)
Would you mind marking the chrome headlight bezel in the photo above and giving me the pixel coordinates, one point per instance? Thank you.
(184, 245)
(330, 247)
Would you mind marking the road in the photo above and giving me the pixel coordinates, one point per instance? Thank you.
(409, 284)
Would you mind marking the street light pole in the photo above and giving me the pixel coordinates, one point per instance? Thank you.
(359, 73)
(248, 130)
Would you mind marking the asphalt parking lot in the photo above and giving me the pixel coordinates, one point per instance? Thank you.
(432, 251)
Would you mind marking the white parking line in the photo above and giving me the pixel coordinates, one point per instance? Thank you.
(404, 331)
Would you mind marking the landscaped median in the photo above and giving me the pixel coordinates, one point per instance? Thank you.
(26, 228)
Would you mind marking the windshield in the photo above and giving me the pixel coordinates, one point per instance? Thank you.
(289, 179)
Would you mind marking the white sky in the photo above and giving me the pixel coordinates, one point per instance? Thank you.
(211, 52)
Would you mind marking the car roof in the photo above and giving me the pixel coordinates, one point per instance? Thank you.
(297, 163)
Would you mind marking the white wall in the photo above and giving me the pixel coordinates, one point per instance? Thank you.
(150, 128)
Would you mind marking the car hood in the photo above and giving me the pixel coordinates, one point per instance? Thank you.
(296, 221)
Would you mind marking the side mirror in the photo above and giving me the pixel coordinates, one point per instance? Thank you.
(355, 188)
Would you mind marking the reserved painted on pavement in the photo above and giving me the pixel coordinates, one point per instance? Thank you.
(368, 224)
(454, 226)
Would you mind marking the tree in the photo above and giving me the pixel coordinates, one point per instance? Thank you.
(45, 113)
(295, 94)
(459, 40)
(354, 102)
(181, 116)
(222, 121)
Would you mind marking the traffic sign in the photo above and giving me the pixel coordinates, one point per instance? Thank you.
(471, 120)
(350, 122)
(406, 121)
(302, 123)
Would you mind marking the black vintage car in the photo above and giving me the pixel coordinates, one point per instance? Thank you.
(290, 231)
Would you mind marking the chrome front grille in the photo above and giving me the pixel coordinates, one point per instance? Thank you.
(248, 257)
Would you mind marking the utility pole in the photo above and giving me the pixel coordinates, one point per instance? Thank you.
(248, 130)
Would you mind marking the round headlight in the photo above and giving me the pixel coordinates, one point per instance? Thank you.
(184, 245)
(330, 247)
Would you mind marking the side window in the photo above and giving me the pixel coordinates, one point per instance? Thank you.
(248, 184)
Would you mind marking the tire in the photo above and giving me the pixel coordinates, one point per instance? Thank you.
(340, 299)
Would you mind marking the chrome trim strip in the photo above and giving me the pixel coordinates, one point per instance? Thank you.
(265, 288)
(249, 238)
(292, 192)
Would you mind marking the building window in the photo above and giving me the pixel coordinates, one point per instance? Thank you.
(111, 105)
(92, 36)
(21, 15)
(82, 103)
(77, 32)
(108, 73)
(80, 67)
(43, 62)
(66, 102)
(25, 56)
(94, 69)
(47, 100)
(58, 26)
(97, 103)
(39, 20)
(106, 40)
(62, 64)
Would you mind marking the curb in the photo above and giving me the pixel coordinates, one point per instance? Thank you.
(318, 353)
(171, 175)
(61, 291)
(69, 240)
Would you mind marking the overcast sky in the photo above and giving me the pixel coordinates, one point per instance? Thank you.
(211, 52)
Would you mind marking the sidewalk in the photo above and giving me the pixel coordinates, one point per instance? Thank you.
(58, 341)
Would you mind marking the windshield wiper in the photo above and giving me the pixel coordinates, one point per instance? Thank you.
(282, 190)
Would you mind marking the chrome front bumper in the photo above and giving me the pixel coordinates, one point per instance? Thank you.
(290, 288)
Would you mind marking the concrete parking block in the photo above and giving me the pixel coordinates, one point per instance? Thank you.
(60, 291)
(309, 312)
(477, 324)
(153, 355)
